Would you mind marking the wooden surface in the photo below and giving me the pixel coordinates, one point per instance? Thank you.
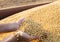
(9, 7)
(12, 10)
(9, 3)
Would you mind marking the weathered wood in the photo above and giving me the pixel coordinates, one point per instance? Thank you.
(6, 11)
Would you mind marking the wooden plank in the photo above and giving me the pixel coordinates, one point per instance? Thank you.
(9, 10)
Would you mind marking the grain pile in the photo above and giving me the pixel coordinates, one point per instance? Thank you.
(9, 3)
(42, 21)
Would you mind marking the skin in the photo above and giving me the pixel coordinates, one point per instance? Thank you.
(19, 37)
(10, 26)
